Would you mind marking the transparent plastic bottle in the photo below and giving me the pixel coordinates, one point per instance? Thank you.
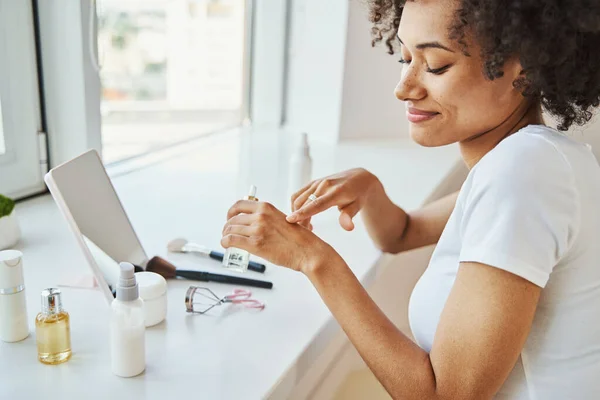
(52, 329)
(237, 259)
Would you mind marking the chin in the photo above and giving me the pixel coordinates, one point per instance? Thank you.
(428, 136)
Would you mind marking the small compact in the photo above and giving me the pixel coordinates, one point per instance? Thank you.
(153, 291)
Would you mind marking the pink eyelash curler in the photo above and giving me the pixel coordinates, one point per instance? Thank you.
(200, 300)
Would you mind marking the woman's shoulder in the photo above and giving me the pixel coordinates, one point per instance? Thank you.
(535, 164)
(532, 154)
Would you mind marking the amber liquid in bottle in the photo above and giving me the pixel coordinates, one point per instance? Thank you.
(52, 330)
(53, 335)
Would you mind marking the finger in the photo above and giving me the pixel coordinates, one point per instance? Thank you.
(320, 204)
(346, 215)
(319, 188)
(305, 223)
(241, 219)
(242, 230)
(242, 206)
(301, 191)
(239, 241)
(351, 209)
(346, 221)
(303, 197)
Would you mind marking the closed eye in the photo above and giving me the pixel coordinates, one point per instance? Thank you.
(439, 71)
(435, 71)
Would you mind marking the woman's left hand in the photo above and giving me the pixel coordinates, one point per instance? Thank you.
(263, 230)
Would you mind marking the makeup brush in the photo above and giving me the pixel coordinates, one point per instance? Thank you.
(181, 245)
(169, 271)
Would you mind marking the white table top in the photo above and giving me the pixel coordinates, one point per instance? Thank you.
(234, 353)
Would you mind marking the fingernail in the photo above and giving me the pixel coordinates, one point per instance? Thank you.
(292, 218)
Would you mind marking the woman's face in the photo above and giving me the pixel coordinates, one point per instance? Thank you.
(448, 99)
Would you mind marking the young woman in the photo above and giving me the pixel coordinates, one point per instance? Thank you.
(509, 306)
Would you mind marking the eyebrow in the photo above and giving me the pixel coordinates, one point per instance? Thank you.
(429, 45)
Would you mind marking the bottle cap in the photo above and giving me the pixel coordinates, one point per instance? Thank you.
(304, 139)
(251, 194)
(51, 301)
(304, 146)
(11, 272)
(127, 287)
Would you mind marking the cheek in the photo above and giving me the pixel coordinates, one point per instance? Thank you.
(446, 96)
(482, 103)
(469, 103)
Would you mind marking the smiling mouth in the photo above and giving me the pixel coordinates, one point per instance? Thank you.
(416, 116)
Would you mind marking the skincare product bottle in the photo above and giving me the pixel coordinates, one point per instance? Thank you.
(237, 259)
(13, 311)
(300, 166)
(127, 330)
(52, 329)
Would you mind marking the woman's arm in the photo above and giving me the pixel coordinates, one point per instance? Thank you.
(389, 226)
(393, 230)
(481, 332)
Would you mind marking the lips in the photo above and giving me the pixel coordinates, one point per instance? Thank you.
(415, 115)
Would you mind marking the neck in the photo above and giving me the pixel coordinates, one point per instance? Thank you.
(474, 148)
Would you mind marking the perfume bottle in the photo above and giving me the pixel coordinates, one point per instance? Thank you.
(52, 329)
(237, 259)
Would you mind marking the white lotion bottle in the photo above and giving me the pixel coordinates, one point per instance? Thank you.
(127, 328)
(300, 171)
(13, 310)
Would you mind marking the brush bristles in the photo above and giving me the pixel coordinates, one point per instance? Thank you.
(161, 267)
(176, 245)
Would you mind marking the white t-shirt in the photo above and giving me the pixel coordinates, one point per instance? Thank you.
(531, 206)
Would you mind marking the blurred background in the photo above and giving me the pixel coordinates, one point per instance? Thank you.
(134, 78)
(170, 70)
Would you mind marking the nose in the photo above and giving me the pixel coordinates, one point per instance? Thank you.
(410, 87)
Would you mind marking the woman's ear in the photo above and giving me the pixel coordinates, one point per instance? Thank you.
(521, 83)
(514, 70)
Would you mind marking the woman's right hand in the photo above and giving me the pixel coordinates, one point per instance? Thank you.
(347, 190)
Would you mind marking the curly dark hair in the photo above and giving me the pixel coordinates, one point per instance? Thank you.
(557, 42)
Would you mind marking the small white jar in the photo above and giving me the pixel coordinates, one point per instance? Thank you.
(153, 290)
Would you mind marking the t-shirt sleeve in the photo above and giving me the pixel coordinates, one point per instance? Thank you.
(521, 211)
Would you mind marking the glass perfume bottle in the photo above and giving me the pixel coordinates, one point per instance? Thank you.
(52, 329)
(237, 259)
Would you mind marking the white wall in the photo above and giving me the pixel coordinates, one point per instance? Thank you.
(369, 107)
(316, 67)
(268, 62)
(339, 87)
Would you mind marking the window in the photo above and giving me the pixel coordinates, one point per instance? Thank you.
(138, 76)
(2, 144)
(20, 172)
(171, 70)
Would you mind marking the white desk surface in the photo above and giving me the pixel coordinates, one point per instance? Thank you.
(232, 354)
